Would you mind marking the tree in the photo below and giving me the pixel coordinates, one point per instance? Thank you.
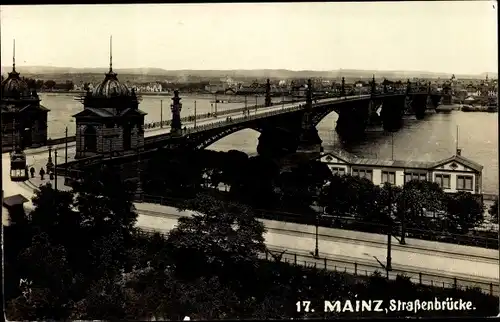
(68, 85)
(418, 197)
(49, 84)
(80, 238)
(218, 237)
(386, 204)
(301, 187)
(464, 211)
(257, 182)
(347, 195)
(54, 214)
(104, 203)
(493, 210)
(335, 197)
(45, 283)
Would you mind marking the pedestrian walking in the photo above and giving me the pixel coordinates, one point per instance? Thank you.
(32, 171)
(42, 173)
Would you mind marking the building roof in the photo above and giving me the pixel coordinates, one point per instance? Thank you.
(111, 87)
(38, 107)
(460, 159)
(12, 108)
(14, 200)
(108, 112)
(348, 158)
(14, 86)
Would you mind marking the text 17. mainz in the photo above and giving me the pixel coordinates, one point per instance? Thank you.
(448, 304)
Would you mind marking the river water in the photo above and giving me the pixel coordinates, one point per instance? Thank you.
(431, 139)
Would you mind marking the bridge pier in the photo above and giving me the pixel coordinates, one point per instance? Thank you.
(309, 140)
(352, 121)
(419, 105)
(392, 113)
(277, 142)
(435, 100)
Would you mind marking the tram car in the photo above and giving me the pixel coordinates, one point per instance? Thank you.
(18, 166)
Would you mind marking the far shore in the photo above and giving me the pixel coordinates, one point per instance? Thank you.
(200, 93)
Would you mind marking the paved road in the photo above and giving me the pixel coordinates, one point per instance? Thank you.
(431, 260)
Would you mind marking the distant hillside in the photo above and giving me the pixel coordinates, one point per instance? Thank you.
(61, 72)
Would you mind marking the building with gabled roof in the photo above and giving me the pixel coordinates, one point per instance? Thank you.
(452, 174)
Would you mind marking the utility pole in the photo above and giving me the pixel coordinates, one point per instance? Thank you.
(402, 240)
(316, 250)
(388, 265)
(66, 147)
(255, 104)
(392, 146)
(55, 169)
(161, 114)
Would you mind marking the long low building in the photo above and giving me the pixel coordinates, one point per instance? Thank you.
(453, 174)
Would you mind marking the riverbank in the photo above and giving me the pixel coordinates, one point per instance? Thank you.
(166, 93)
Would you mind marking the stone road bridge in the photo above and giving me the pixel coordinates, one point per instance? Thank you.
(284, 128)
(287, 126)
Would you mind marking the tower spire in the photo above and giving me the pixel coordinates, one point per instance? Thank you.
(14, 57)
(110, 53)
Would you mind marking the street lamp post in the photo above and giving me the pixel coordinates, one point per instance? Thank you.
(255, 104)
(246, 105)
(161, 114)
(49, 164)
(194, 114)
(215, 102)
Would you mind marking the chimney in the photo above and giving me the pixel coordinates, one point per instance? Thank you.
(459, 151)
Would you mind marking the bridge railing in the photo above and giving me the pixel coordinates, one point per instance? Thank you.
(246, 118)
(191, 118)
(366, 268)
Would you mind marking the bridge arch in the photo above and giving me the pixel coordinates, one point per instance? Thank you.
(327, 115)
(212, 138)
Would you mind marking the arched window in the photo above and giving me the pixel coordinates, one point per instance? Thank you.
(90, 139)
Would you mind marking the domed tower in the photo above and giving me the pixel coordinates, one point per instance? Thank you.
(111, 122)
(24, 120)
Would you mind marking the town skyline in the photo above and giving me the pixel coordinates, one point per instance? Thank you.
(407, 36)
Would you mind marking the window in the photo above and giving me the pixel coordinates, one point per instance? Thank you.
(389, 177)
(443, 180)
(338, 171)
(464, 183)
(362, 173)
(409, 176)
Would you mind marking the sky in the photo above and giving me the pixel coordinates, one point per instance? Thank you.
(451, 37)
